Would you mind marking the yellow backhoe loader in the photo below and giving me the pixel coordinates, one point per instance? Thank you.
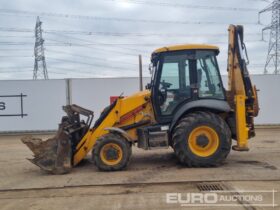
(185, 106)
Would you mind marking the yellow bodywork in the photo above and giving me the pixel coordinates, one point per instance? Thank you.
(237, 95)
(241, 127)
(186, 47)
(235, 82)
(127, 111)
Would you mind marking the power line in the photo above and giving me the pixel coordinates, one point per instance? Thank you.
(5, 72)
(127, 44)
(78, 72)
(89, 64)
(63, 43)
(16, 43)
(72, 70)
(15, 49)
(54, 72)
(100, 49)
(120, 34)
(178, 5)
(261, 0)
(15, 29)
(90, 57)
(125, 34)
(15, 56)
(86, 41)
(10, 36)
(76, 55)
(28, 71)
(16, 67)
(71, 44)
(89, 42)
(116, 19)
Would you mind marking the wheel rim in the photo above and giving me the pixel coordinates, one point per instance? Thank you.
(111, 154)
(203, 141)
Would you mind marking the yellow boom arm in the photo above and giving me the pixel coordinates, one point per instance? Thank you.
(132, 110)
(242, 95)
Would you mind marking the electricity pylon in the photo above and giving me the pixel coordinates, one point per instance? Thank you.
(40, 68)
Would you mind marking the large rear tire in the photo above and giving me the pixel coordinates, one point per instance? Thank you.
(112, 152)
(201, 139)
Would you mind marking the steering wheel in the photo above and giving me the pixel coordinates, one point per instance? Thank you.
(165, 85)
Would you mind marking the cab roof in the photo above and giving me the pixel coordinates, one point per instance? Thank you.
(186, 47)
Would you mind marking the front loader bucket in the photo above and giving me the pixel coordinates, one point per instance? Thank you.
(52, 155)
(55, 154)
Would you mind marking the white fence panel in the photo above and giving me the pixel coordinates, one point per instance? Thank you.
(269, 98)
(40, 108)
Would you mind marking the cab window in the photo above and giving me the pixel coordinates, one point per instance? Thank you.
(208, 77)
(174, 86)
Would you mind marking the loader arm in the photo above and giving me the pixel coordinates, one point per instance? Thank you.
(75, 138)
(130, 111)
(242, 94)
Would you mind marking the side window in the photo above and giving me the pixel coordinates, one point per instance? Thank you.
(216, 86)
(174, 84)
(170, 74)
(202, 79)
(209, 82)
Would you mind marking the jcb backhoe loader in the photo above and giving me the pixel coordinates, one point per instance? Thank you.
(185, 107)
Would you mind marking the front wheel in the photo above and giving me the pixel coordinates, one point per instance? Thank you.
(111, 153)
(201, 139)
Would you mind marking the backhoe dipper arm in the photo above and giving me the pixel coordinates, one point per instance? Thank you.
(242, 95)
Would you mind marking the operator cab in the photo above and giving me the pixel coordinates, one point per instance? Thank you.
(181, 74)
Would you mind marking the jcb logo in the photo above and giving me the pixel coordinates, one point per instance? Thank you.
(2, 106)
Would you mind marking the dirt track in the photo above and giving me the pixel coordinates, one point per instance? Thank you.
(143, 185)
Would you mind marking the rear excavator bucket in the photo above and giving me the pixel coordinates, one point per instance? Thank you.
(54, 155)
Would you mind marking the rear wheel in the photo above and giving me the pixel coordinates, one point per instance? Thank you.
(112, 152)
(201, 139)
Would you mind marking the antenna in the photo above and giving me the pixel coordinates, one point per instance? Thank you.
(40, 68)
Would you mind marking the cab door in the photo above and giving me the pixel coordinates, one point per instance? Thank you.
(173, 84)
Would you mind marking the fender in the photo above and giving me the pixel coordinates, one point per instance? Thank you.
(119, 131)
(213, 104)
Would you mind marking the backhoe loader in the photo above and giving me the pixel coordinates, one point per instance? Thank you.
(185, 106)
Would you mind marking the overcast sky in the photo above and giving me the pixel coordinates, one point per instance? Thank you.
(112, 49)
